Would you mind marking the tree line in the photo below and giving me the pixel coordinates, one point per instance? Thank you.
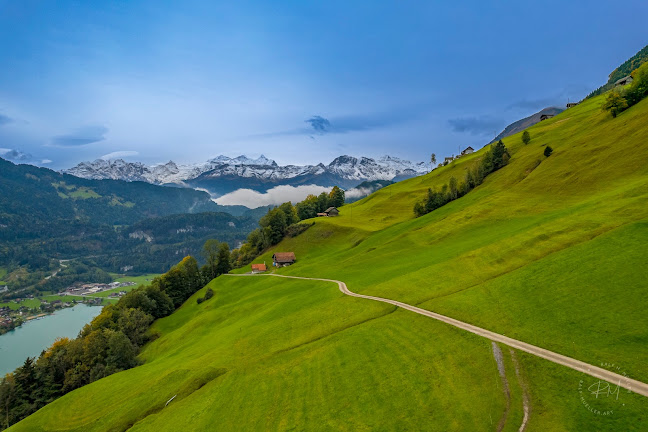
(495, 158)
(108, 344)
(281, 221)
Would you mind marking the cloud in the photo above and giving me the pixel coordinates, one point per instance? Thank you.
(275, 196)
(535, 104)
(46, 161)
(359, 192)
(319, 124)
(15, 155)
(482, 125)
(5, 120)
(119, 154)
(83, 136)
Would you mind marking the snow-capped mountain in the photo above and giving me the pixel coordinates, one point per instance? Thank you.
(223, 174)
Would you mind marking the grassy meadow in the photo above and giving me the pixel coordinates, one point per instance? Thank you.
(551, 251)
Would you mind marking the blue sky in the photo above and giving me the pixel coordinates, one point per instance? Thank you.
(299, 81)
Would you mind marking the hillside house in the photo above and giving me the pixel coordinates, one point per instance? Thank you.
(623, 81)
(331, 211)
(572, 104)
(282, 259)
(545, 116)
(468, 150)
(259, 268)
(447, 160)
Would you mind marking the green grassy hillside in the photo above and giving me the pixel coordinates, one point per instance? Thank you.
(551, 251)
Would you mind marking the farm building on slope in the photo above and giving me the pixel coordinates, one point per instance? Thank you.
(331, 211)
(259, 268)
(282, 259)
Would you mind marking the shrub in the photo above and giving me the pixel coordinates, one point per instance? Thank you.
(208, 294)
(547, 151)
(615, 103)
(526, 137)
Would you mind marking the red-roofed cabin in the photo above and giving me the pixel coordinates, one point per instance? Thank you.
(258, 268)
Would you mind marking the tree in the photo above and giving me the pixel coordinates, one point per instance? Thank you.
(134, 323)
(7, 397)
(432, 160)
(336, 197)
(121, 353)
(526, 137)
(224, 264)
(274, 226)
(322, 202)
(210, 253)
(615, 103)
(547, 151)
(500, 155)
(290, 212)
(453, 188)
(308, 208)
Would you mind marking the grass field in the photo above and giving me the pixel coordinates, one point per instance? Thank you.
(551, 251)
(3, 273)
(139, 280)
(30, 303)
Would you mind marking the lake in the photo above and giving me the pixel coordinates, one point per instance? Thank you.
(34, 336)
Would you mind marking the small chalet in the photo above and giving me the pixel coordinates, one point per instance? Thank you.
(282, 259)
(623, 81)
(467, 151)
(331, 211)
(447, 160)
(545, 116)
(572, 104)
(259, 268)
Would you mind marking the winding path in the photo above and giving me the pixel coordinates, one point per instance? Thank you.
(577, 365)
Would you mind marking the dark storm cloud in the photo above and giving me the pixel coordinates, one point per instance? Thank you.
(476, 125)
(5, 120)
(320, 125)
(15, 155)
(81, 137)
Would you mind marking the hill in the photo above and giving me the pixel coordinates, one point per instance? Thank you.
(46, 216)
(526, 122)
(622, 71)
(548, 250)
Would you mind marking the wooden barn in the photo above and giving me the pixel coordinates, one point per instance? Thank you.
(282, 259)
(331, 211)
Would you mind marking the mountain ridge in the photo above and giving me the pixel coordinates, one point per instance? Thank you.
(224, 174)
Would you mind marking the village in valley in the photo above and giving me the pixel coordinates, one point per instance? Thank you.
(15, 312)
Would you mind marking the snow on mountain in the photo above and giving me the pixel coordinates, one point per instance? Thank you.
(252, 173)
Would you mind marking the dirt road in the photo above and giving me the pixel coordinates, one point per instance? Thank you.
(577, 365)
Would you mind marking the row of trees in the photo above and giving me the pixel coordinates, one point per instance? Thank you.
(279, 222)
(109, 344)
(618, 101)
(495, 158)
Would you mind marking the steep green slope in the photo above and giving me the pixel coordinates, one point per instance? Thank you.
(548, 250)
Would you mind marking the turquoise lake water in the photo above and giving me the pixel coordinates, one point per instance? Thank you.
(34, 336)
